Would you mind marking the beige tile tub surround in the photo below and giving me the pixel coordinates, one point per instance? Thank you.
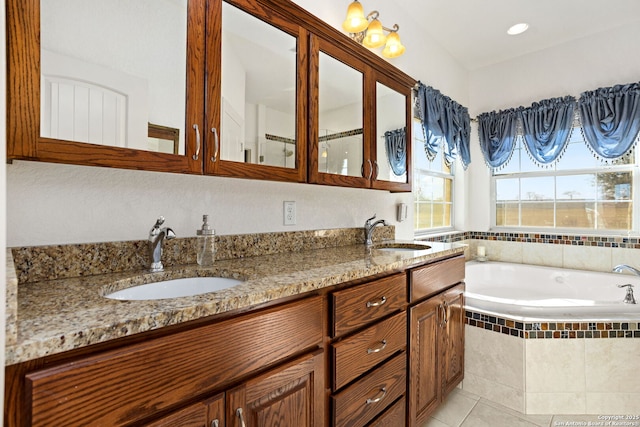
(553, 376)
(580, 257)
(494, 367)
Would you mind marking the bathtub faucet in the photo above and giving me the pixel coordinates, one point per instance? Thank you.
(620, 268)
(157, 236)
(629, 298)
(368, 229)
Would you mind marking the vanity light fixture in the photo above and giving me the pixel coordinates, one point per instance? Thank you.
(518, 29)
(369, 31)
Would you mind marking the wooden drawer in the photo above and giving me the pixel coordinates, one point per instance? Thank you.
(395, 416)
(433, 278)
(357, 306)
(361, 402)
(355, 355)
(126, 385)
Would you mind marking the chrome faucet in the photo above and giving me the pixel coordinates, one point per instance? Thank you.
(621, 267)
(628, 298)
(368, 229)
(156, 236)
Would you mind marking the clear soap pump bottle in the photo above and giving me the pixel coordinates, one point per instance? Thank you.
(206, 243)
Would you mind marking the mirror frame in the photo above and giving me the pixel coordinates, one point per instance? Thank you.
(315, 175)
(229, 168)
(23, 99)
(203, 47)
(402, 90)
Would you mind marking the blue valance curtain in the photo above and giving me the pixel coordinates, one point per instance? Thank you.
(497, 132)
(610, 121)
(396, 145)
(546, 127)
(443, 121)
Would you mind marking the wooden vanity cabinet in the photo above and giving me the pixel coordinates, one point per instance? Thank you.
(368, 350)
(269, 363)
(209, 413)
(291, 395)
(436, 324)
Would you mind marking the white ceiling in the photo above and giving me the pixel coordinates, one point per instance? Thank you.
(474, 31)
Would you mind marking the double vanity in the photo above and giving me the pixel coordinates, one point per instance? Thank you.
(309, 328)
(343, 335)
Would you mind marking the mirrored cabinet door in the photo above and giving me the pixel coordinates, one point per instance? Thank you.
(339, 149)
(255, 115)
(107, 83)
(393, 136)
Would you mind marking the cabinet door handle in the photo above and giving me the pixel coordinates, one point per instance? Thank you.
(383, 393)
(445, 309)
(215, 423)
(370, 169)
(240, 417)
(440, 316)
(375, 163)
(377, 303)
(377, 349)
(195, 156)
(216, 145)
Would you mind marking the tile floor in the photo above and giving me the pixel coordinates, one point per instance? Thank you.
(464, 409)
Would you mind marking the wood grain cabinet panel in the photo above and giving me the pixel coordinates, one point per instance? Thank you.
(434, 278)
(358, 353)
(453, 362)
(368, 365)
(425, 347)
(209, 413)
(360, 305)
(362, 401)
(436, 351)
(395, 416)
(290, 396)
(122, 386)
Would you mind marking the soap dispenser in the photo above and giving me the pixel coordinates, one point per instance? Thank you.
(206, 243)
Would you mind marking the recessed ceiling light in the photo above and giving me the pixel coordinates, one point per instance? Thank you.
(518, 29)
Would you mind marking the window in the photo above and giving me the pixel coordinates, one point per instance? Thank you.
(433, 187)
(578, 192)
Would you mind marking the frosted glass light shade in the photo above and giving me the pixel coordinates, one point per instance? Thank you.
(394, 47)
(375, 35)
(356, 21)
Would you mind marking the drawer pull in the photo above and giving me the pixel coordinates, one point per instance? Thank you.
(241, 417)
(379, 349)
(377, 303)
(215, 423)
(377, 399)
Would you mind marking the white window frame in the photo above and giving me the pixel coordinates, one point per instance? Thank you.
(552, 172)
(418, 141)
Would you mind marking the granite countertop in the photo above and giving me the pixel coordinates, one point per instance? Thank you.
(54, 316)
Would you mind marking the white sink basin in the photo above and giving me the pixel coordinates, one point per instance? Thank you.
(401, 247)
(174, 288)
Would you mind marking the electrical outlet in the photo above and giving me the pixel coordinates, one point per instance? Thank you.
(289, 213)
